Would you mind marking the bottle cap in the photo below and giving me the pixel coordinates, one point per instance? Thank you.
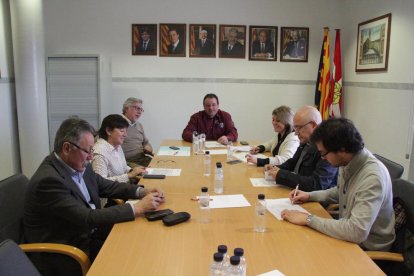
(207, 152)
(238, 251)
(218, 257)
(222, 249)
(235, 260)
(219, 165)
(261, 196)
(204, 189)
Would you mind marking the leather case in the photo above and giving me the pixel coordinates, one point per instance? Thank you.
(157, 215)
(176, 218)
(154, 176)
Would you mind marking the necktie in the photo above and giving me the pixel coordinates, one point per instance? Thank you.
(230, 47)
(302, 154)
(262, 48)
(203, 42)
(145, 46)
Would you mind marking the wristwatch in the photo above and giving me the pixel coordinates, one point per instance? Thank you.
(309, 219)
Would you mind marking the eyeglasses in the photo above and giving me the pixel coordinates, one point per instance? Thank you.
(298, 128)
(324, 154)
(137, 108)
(88, 152)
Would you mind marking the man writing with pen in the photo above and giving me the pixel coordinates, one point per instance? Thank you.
(364, 191)
(306, 167)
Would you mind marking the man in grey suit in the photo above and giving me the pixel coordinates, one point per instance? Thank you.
(62, 202)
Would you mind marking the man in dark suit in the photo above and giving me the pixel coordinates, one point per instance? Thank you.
(176, 46)
(146, 45)
(204, 46)
(62, 203)
(232, 47)
(263, 48)
(296, 48)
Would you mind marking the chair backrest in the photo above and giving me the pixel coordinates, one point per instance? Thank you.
(12, 194)
(14, 261)
(396, 170)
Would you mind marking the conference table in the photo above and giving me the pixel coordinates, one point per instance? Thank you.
(142, 247)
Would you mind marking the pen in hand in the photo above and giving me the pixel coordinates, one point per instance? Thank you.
(295, 193)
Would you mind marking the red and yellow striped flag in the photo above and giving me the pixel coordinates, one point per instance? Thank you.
(324, 78)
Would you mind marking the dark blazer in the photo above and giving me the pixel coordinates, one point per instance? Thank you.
(207, 49)
(295, 49)
(314, 172)
(236, 51)
(55, 209)
(140, 47)
(256, 48)
(178, 50)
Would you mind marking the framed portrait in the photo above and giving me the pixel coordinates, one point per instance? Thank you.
(202, 40)
(172, 40)
(373, 44)
(262, 42)
(232, 41)
(294, 42)
(144, 39)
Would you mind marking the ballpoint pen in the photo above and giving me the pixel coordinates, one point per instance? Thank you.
(295, 193)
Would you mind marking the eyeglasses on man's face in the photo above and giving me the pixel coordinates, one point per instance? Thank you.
(137, 108)
(299, 127)
(88, 152)
(324, 154)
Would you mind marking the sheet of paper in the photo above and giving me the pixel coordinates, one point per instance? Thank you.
(242, 156)
(228, 201)
(272, 273)
(132, 201)
(261, 182)
(217, 151)
(241, 148)
(167, 172)
(276, 206)
(214, 144)
(166, 151)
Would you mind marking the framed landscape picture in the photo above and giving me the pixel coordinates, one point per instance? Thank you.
(294, 44)
(202, 40)
(373, 44)
(262, 42)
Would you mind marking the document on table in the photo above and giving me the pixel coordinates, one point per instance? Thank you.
(276, 206)
(241, 148)
(217, 151)
(167, 172)
(167, 151)
(242, 156)
(214, 144)
(272, 273)
(261, 182)
(228, 201)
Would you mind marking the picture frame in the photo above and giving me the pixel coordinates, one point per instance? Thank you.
(202, 40)
(294, 44)
(232, 41)
(144, 39)
(173, 40)
(373, 44)
(263, 43)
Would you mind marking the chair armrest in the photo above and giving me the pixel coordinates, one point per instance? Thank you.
(71, 251)
(385, 256)
(332, 207)
(118, 201)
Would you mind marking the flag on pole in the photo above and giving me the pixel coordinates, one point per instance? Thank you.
(323, 83)
(336, 88)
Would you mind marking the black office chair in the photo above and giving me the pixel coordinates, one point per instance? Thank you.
(14, 261)
(396, 170)
(12, 195)
(400, 261)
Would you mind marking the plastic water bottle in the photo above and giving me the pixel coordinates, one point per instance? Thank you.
(216, 267)
(204, 201)
(260, 214)
(226, 258)
(207, 163)
(201, 142)
(195, 142)
(218, 179)
(230, 151)
(234, 268)
(240, 252)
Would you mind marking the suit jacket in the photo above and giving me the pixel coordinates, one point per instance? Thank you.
(256, 48)
(207, 49)
(295, 49)
(56, 211)
(236, 51)
(178, 50)
(140, 47)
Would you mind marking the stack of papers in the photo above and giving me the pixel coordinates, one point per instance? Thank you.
(228, 201)
(242, 156)
(214, 144)
(276, 206)
(167, 151)
(166, 172)
(261, 182)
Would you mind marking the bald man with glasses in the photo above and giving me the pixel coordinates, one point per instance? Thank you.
(306, 168)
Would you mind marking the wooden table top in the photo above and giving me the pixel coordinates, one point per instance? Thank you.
(141, 247)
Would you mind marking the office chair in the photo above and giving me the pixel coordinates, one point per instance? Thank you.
(14, 261)
(12, 196)
(402, 251)
(396, 170)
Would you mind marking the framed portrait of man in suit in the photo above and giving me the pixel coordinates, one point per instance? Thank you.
(294, 43)
(232, 41)
(172, 40)
(202, 40)
(144, 39)
(263, 43)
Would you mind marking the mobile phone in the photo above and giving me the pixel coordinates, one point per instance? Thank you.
(235, 161)
(156, 215)
(244, 143)
(174, 148)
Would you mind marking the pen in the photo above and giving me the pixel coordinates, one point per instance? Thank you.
(295, 193)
